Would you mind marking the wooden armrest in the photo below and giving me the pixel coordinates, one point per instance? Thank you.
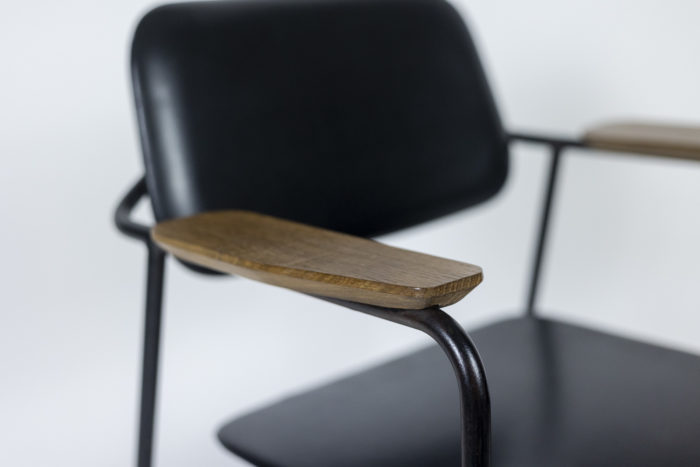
(316, 261)
(676, 141)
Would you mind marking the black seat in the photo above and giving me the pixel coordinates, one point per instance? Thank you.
(562, 395)
(365, 117)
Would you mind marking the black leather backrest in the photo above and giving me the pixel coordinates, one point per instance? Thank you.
(364, 116)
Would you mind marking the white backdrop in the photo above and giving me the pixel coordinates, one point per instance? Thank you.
(624, 255)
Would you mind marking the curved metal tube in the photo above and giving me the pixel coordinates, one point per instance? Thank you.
(543, 228)
(122, 215)
(471, 378)
(152, 325)
(548, 140)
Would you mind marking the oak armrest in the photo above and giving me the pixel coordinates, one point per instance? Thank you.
(316, 261)
(682, 142)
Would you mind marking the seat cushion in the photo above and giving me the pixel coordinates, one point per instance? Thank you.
(561, 395)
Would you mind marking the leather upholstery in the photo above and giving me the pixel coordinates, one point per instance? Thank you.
(561, 396)
(359, 116)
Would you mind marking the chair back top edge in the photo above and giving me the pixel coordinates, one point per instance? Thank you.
(362, 116)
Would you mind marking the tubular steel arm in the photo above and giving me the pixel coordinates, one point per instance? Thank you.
(663, 140)
(152, 324)
(471, 378)
(557, 145)
(122, 215)
(636, 137)
(551, 141)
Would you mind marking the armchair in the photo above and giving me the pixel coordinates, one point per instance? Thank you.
(279, 136)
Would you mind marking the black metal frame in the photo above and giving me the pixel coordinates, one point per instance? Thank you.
(154, 305)
(475, 403)
(450, 336)
(557, 146)
(122, 215)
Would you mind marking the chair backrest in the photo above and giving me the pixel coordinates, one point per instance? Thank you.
(363, 116)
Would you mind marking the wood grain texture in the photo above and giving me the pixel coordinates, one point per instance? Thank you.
(316, 261)
(682, 142)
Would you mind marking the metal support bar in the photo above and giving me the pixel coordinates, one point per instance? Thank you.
(548, 140)
(544, 227)
(151, 342)
(467, 365)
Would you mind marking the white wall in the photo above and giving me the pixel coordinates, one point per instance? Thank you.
(624, 254)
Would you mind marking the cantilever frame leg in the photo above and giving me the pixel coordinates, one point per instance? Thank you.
(151, 342)
(465, 360)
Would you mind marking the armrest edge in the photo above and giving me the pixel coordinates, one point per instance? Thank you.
(316, 261)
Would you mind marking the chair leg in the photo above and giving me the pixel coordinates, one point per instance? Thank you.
(543, 229)
(471, 377)
(149, 375)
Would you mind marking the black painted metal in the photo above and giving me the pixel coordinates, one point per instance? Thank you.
(466, 363)
(543, 228)
(122, 215)
(548, 140)
(557, 146)
(151, 343)
(152, 323)
(562, 395)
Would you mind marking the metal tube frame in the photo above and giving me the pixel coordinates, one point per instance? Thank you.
(557, 146)
(152, 324)
(122, 215)
(475, 402)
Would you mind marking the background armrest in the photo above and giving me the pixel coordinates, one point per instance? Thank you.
(316, 261)
(676, 141)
